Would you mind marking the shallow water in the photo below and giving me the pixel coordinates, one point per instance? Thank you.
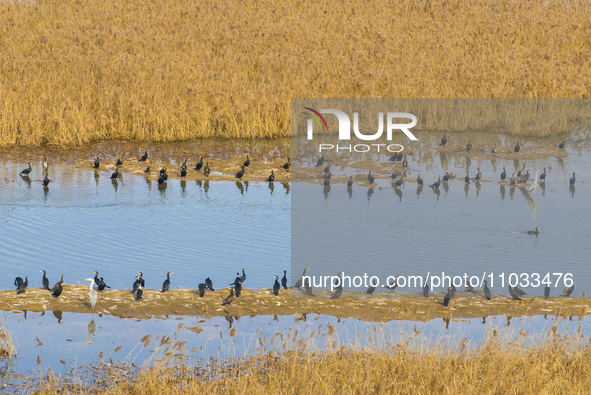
(69, 340)
(193, 229)
(479, 229)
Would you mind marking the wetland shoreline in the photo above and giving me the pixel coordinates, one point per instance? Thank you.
(390, 305)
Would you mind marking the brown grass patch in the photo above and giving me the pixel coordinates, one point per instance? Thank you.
(72, 72)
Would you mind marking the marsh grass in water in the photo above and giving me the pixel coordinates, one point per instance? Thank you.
(72, 72)
(316, 362)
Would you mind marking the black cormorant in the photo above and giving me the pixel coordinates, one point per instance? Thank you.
(183, 171)
(46, 179)
(503, 174)
(57, 290)
(478, 175)
(445, 177)
(27, 171)
(514, 294)
(298, 283)
(469, 146)
(101, 284)
(243, 277)
(144, 156)
(97, 161)
(115, 174)
(199, 164)
(339, 290)
(209, 284)
(166, 283)
(350, 182)
(240, 173)
(161, 179)
(284, 279)
(393, 286)
(534, 232)
(320, 161)
(276, 286)
(543, 176)
(370, 178)
(517, 147)
(405, 162)
(443, 140)
(567, 291)
(561, 145)
(202, 288)
(420, 180)
(22, 287)
(467, 178)
(120, 160)
(45, 280)
(149, 167)
(288, 164)
(437, 183)
(521, 171)
(229, 298)
(573, 179)
(326, 180)
(524, 177)
(271, 178)
(18, 281)
(486, 289)
(247, 161)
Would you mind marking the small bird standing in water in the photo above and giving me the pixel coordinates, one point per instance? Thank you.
(27, 171)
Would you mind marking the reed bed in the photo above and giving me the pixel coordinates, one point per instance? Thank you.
(501, 364)
(72, 72)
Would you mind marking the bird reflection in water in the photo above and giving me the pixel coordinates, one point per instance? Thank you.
(286, 186)
(398, 193)
(206, 186)
(58, 315)
(466, 189)
(183, 186)
(369, 193)
(420, 189)
(272, 187)
(502, 190)
(91, 330)
(326, 191)
(478, 186)
(162, 188)
(572, 190)
(350, 191)
(114, 183)
(240, 187)
(445, 187)
(436, 192)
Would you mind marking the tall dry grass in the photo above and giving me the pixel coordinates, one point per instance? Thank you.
(77, 71)
(502, 364)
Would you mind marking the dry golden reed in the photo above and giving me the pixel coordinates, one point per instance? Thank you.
(72, 72)
(553, 365)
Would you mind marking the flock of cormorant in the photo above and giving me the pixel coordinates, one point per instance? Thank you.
(236, 287)
(163, 176)
(139, 284)
(520, 176)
